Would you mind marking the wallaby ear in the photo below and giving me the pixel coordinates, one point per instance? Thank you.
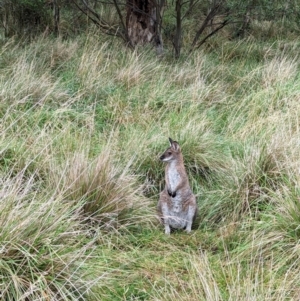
(174, 145)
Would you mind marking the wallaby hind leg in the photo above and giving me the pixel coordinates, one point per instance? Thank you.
(167, 229)
(190, 217)
(165, 213)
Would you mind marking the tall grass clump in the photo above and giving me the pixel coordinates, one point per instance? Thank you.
(24, 84)
(109, 192)
(43, 254)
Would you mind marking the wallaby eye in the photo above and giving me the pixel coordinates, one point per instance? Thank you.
(169, 153)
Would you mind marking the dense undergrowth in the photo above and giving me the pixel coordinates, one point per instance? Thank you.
(83, 122)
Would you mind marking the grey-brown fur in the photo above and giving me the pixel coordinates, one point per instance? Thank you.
(177, 205)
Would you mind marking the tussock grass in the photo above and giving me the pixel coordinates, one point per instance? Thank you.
(110, 193)
(42, 251)
(279, 70)
(83, 123)
(26, 85)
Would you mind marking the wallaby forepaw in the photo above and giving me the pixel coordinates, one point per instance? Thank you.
(168, 231)
(171, 194)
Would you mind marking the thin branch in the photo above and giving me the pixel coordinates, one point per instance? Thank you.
(212, 33)
(92, 11)
(210, 16)
(127, 38)
(189, 9)
(98, 20)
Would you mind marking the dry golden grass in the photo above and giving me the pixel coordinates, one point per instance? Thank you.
(82, 126)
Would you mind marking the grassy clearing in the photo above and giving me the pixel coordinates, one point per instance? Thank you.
(82, 125)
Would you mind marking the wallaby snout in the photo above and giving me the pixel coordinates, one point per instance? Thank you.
(165, 156)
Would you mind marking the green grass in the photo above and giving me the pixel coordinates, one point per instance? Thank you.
(83, 123)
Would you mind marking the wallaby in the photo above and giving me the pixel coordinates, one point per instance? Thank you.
(177, 205)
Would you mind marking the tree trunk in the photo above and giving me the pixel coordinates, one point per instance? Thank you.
(56, 17)
(177, 37)
(142, 23)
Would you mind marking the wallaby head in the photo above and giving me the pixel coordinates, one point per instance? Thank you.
(172, 152)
